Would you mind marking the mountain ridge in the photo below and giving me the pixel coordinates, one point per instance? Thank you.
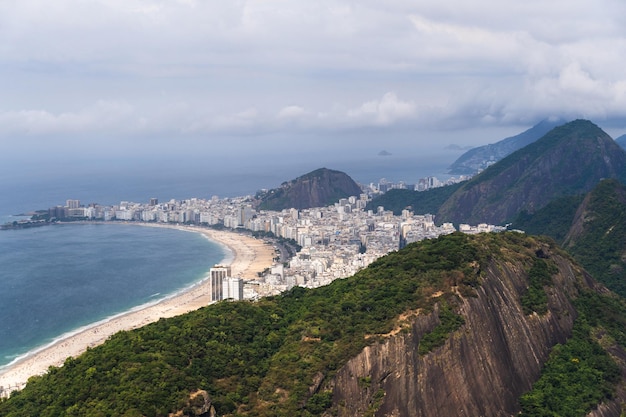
(569, 160)
(479, 158)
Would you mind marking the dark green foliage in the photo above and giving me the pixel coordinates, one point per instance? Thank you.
(536, 299)
(257, 358)
(554, 220)
(420, 202)
(600, 246)
(580, 373)
(263, 358)
(596, 238)
(569, 160)
(319, 402)
(449, 322)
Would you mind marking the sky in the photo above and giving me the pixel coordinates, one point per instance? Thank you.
(118, 78)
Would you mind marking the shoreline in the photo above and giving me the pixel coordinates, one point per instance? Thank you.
(246, 256)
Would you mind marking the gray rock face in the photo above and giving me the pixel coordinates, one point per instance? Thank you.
(483, 367)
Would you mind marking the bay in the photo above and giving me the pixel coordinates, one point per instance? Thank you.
(55, 279)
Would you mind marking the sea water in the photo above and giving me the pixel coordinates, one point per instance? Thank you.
(56, 279)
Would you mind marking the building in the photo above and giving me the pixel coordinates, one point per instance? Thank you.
(232, 289)
(217, 275)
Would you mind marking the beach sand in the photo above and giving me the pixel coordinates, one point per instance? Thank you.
(248, 257)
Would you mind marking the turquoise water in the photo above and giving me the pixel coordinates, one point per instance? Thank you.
(55, 279)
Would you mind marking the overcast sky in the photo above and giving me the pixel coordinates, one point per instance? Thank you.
(94, 74)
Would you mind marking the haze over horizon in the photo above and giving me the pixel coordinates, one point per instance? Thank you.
(238, 81)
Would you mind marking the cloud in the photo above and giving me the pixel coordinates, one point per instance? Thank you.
(250, 67)
(389, 109)
(102, 115)
(291, 112)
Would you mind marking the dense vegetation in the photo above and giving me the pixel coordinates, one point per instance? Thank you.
(535, 300)
(449, 322)
(256, 358)
(420, 202)
(597, 239)
(600, 246)
(569, 160)
(276, 357)
(580, 373)
(554, 220)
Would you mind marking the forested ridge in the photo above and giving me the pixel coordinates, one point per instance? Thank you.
(277, 356)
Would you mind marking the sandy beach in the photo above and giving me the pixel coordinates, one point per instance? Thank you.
(248, 256)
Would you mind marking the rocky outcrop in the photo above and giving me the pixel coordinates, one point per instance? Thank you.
(483, 367)
(315, 189)
(199, 405)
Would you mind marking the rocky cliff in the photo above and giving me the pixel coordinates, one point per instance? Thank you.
(483, 368)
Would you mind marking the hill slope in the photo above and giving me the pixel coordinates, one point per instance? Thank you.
(621, 141)
(459, 325)
(479, 158)
(318, 188)
(591, 227)
(421, 202)
(569, 160)
(597, 237)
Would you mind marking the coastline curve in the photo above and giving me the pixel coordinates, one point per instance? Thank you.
(246, 256)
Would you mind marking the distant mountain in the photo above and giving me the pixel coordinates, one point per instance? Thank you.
(419, 202)
(318, 188)
(592, 228)
(621, 141)
(479, 158)
(569, 160)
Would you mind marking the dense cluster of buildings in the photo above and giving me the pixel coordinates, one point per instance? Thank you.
(423, 184)
(336, 241)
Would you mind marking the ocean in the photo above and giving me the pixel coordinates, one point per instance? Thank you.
(57, 279)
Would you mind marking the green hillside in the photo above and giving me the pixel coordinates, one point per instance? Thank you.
(252, 358)
(569, 160)
(277, 356)
(419, 202)
(318, 188)
(592, 228)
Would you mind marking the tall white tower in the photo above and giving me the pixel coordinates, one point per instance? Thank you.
(217, 275)
(233, 289)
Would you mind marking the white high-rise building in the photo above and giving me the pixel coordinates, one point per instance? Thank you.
(217, 275)
(232, 289)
